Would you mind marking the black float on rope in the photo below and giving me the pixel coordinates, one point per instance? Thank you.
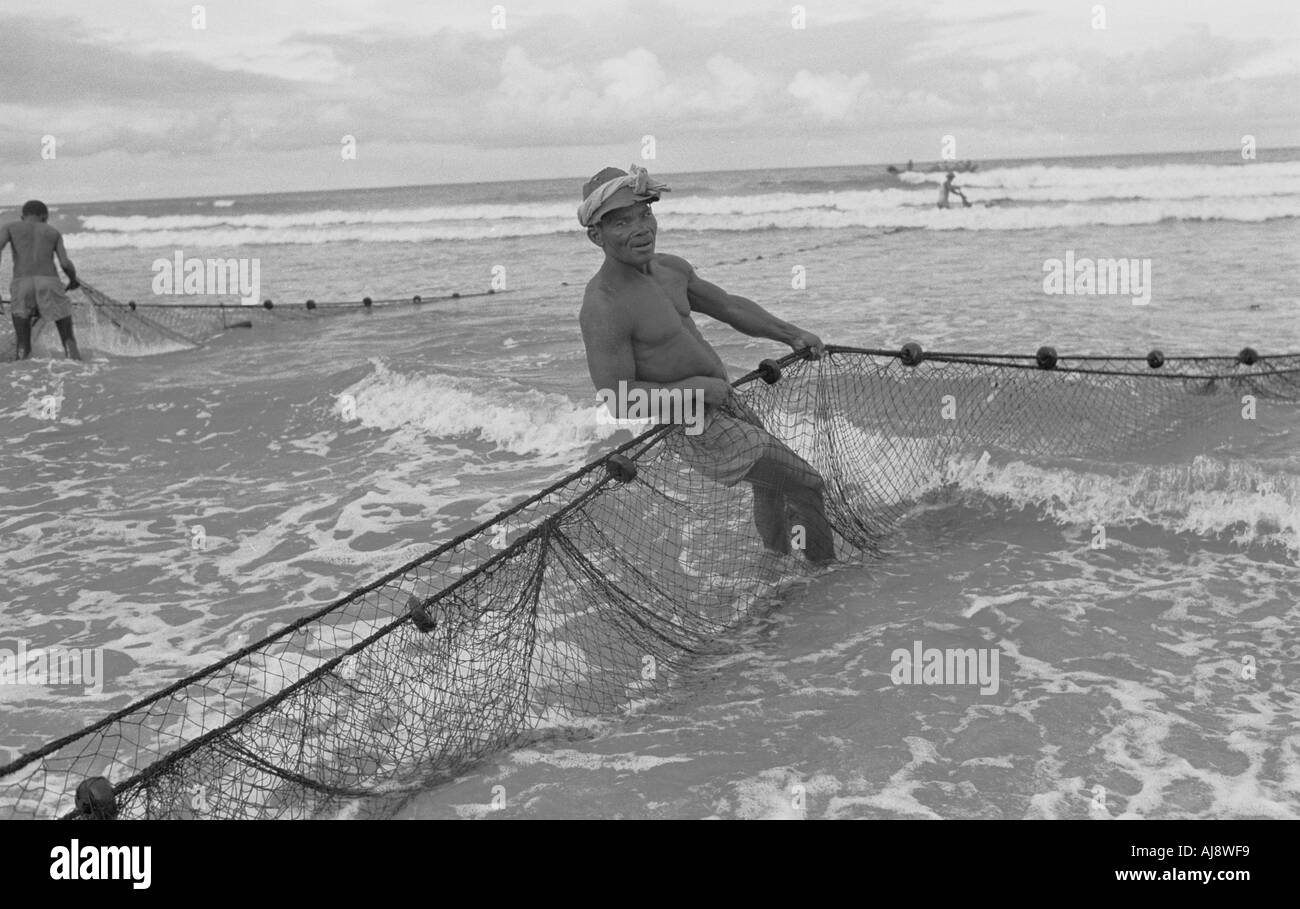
(1155, 359)
(131, 303)
(420, 617)
(769, 372)
(911, 354)
(1046, 357)
(621, 468)
(96, 799)
(267, 303)
(367, 302)
(1248, 356)
(311, 304)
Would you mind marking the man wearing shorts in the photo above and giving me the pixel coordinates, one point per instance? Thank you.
(637, 327)
(36, 291)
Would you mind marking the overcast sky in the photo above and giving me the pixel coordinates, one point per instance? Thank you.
(143, 104)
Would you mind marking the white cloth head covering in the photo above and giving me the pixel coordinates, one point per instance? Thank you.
(616, 191)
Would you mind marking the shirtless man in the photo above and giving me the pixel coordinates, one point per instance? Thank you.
(36, 290)
(637, 327)
(947, 187)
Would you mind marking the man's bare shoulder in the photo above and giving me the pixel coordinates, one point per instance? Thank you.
(596, 294)
(31, 229)
(676, 263)
(600, 303)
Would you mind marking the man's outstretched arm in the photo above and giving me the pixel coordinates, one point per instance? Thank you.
(740, 313)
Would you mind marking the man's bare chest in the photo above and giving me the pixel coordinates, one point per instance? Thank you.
(658, 308)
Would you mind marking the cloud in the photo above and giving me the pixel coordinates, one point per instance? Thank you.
(57, 62)
(617, 98)
(635, 78)
(732, 87)
(1280, 61)
(1048, 74)
(427, 77)
(832, 96)
(93, 97)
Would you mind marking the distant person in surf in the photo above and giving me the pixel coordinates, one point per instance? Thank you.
(36, 290)
(950, 187)
(637, 328)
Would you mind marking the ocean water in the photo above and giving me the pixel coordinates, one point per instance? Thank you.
(1121, 687)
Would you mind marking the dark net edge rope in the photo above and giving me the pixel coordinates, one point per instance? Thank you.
(193, 324)
(100, 299)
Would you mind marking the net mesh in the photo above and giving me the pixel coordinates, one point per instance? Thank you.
(107, 325)
(600, 591)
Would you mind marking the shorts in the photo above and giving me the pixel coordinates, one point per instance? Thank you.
(732, 442)
(40, 295)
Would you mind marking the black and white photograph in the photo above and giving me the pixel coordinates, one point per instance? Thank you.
(651, 411)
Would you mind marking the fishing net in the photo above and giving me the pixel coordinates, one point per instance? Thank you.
(106, 325)
(601, 592)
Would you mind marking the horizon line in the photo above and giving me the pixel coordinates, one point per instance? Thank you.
(579, 179)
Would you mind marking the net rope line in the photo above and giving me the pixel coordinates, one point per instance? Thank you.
(1013, 361)
(462, 650)
(190, 325)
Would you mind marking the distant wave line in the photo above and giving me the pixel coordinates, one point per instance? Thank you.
(980, 218)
